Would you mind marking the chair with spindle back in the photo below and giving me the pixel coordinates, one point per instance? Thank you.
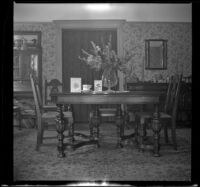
(46, 115)
(167, 115)
(104, 112)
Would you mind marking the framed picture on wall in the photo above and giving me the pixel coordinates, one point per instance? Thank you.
(27, 40)
(156, 54)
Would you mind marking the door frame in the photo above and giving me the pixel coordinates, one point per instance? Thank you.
(86, 24)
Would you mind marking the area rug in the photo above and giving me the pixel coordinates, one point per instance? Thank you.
(106, 163)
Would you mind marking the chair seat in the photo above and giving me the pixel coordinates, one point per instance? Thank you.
(28, 113)
(49, 107)
(107, 112)
(150, 115)
(165, 115)
(53, 114)
(50, 115)
(108, 109)
(16, 108)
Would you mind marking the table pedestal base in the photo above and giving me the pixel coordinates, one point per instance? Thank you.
(94, 124)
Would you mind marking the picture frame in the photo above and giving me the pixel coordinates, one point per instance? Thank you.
(27, 40)
(98, 85)
(156, 54)
(75, 84)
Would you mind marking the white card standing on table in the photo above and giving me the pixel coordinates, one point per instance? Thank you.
(98, 85)
(75, 84)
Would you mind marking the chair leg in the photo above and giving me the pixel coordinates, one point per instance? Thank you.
(91, 126)
(73, 139)
(166, 133)
(34, 123)
(144, 130)
(42, 135)
(142, 125)
(174, 134)
(40, 132)
(20, 120)
(94, 122)
(38, 141)
(71, 131)
(136, 129)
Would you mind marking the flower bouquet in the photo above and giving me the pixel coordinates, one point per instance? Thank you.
(105, 59)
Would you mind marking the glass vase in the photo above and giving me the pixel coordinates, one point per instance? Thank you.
(109, 79)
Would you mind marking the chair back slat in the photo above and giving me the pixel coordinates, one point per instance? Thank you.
(172, 94)
(35, 96)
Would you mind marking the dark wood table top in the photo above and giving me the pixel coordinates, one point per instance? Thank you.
(128, 97)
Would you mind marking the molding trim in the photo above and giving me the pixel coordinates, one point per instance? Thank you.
(88, 24)
(31, 22)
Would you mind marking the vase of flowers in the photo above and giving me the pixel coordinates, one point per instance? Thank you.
(106, 60)
(109, 78)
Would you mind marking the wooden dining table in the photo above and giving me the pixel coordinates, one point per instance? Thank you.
(118, 98)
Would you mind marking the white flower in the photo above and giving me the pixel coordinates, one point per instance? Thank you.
(98, 48)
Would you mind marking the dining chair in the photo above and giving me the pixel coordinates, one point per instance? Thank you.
(46, 115)
(167, 115)
(110, 112)
(51, 87)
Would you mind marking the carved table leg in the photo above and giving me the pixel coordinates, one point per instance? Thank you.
(94, 125)
(156, 127)
(60, 129)
(141, 136)
(69, 122)
(120, 126)
(136, 129)
(91, 125)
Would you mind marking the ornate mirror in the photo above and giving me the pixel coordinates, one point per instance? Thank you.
(156, 54)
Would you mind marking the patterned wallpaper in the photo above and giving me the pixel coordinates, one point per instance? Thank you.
(179, 46)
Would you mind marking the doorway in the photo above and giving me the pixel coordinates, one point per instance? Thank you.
(73, 40)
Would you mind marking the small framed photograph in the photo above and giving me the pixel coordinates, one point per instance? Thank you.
(98, 85)
(75, 84)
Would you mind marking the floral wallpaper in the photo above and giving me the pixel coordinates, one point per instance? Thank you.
(179, 46)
